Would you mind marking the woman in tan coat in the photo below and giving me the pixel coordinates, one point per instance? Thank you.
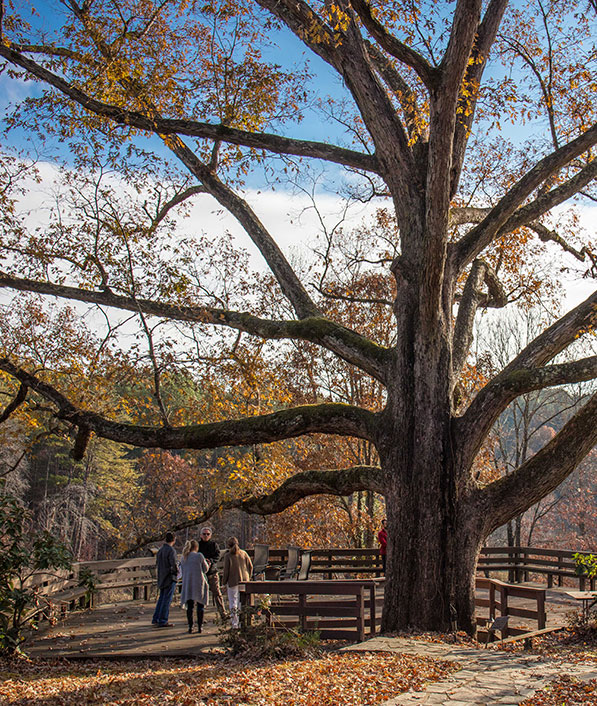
(237, 568)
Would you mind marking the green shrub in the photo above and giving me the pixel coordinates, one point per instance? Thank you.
(585, 565)
(22, 553)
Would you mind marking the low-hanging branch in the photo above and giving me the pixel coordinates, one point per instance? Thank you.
(15, 403)
(331, 418)
(326, 482)
(351, 346)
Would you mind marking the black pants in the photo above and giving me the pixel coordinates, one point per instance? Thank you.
(200, 608)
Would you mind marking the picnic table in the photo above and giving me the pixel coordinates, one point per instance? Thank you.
(588, 599)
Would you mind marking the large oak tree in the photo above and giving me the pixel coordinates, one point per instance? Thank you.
(425, 84)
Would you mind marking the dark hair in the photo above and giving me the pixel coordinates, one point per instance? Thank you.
(169, 537)
(232, 545)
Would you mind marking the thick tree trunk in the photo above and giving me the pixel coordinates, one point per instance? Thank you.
(434, 534)
(432, 553)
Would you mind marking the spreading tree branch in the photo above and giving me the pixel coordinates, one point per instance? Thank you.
(526, 373)
(190, 128)
(393, 46)
(287, 279)
(504, 217)
(333, 418)
(349, 345)
(337, 483)
(513, 494)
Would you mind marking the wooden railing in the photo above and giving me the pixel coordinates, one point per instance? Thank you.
(522, 563)
(343, 610)
(63, 589)
(498, 604)
(138, 575)
(336, 563)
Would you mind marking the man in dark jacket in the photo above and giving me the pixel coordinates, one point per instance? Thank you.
(210, 550)
(165, 561)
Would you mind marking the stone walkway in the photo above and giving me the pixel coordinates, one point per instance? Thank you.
(486, 676)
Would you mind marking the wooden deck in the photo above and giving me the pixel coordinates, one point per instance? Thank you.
(124, 630)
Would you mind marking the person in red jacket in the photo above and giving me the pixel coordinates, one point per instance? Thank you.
(382, 538)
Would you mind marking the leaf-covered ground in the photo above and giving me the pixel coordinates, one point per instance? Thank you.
(332, 680)
(572, 646)
(565, 691)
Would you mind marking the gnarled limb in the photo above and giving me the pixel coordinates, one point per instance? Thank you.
(504, 216)
(170, 126)
(509, 496)
(337, 483)
(525, 369)
(333, 418)
(472, 298)
(349, 345)
(554, 197)
(471, 214)
(547, 236)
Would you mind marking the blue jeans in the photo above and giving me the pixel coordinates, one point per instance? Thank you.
(162, 608)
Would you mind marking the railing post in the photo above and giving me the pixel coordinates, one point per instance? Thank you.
(246, 602)
(541, 617)
(504, 607)
(560, 567)
(491, 602)
(372, 609)
(360, 600)
(302, 609)
(525, 561)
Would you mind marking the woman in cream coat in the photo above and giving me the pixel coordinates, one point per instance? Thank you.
(237, 569)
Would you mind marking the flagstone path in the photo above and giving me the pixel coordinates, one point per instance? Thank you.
(486, 676)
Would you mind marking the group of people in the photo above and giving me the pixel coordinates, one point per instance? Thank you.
(199, 574)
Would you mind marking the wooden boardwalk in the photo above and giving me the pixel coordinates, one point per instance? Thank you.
(124, 630)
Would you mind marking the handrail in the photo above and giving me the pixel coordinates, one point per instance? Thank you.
(354, 607)
(520, 562)
(498, 604)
